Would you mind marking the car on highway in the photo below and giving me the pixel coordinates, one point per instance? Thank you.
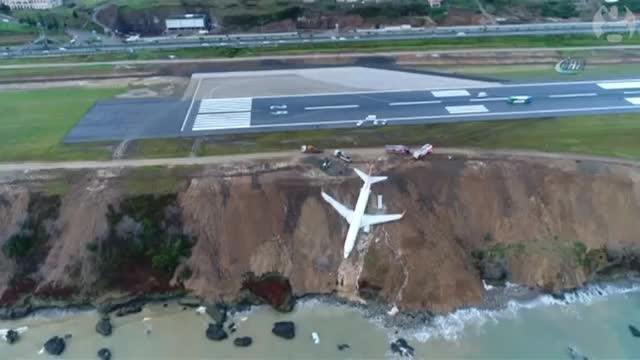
(461, 33)
(482, 94)
(380, 122)
(278, 107)
(279, 112)
(371, 117)
(520, 99)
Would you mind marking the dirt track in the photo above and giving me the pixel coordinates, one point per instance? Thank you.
(366, 153)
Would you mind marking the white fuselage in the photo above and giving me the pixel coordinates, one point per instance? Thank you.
(358, 212)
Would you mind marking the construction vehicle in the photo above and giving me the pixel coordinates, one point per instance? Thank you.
(326, 163)
(397, 149)
(310, 149)
(425, 150)
(342, 156)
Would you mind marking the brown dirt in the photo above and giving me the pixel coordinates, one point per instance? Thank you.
(254, 218)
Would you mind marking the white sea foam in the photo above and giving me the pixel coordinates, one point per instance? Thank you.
(451, 326)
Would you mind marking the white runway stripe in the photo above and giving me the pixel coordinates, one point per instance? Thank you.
(407, 103)
(466, 109)
(210, 106)
(222, 121)
(489, 99)
(634, 101)
(572, 95)
(620, 85)
(450, 93)
(331, 107)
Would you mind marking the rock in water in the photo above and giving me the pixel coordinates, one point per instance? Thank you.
(104, 354)
(216, 332)
(343, 347)
(55, 345)
(104, 327)
(190, 301)
(634, 331)
(218, 313)
(575, 355)
(242, 341)
(402, 348)
(273, 289)
(12, 336)
(127, 310)
(284, 329)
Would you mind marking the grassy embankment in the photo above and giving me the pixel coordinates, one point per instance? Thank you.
(12, 34)
(541, 72)
(37, 122)
(338, 47)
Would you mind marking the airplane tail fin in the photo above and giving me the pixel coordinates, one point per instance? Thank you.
(372, 179)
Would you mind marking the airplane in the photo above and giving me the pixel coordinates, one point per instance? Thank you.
(357, 218)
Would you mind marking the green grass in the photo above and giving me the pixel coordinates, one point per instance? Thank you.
(341, 47)
(56, 71)
(12, 28)
(605, 135)
(157, 179)
(35, 122)
(542, 71)
(159, 148)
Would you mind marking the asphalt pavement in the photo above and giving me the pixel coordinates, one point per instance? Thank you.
(149, 118)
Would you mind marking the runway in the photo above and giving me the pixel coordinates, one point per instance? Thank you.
(343, 110)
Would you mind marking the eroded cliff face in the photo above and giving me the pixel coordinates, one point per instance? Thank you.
(546, 224)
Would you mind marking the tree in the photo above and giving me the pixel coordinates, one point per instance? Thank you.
(5, 9)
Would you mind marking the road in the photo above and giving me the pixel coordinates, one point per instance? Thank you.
(270, 40)
(510, 51)
(121, 119)
(361, 154)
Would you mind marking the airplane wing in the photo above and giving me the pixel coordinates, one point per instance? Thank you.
(368, 220)
(343, 210)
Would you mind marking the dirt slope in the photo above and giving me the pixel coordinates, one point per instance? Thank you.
(547, 223)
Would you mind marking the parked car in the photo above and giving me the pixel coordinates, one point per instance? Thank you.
(278, 107)
(519, 99)
(342, 155)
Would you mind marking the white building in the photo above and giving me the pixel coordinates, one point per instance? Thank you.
(32, 4)
(186, 22)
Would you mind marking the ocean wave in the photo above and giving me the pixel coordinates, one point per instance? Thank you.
(451, 326)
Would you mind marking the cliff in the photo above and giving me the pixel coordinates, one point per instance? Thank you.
(82, 236)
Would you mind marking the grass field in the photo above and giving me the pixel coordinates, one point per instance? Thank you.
(541, 72)
(605, 135)
(341, 47)
(35, 122)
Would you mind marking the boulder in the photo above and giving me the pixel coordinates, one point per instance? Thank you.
(242, 341)
(634, 331)
(284, 329)
(218, 313)
(343, 347)
(402, 348)
(55, 345)
(190, 301)
(216, 332)
(271, 288)
(12, 336)
(104, 327)
(128, 310)
(104, 354)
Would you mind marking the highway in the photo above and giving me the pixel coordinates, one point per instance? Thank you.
(292, 38)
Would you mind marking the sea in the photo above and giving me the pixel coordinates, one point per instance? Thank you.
(592, 322)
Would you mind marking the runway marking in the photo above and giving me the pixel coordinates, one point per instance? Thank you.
(331, 107)
(489, 99)
(632, 92)
(407, 103)
(210, 106)
(634, 101)
(450, 93)
(236, 120)
(496, 114)
(193, 100)
(466, 109)
(488, 86)
(572, 95)
(620, 85)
